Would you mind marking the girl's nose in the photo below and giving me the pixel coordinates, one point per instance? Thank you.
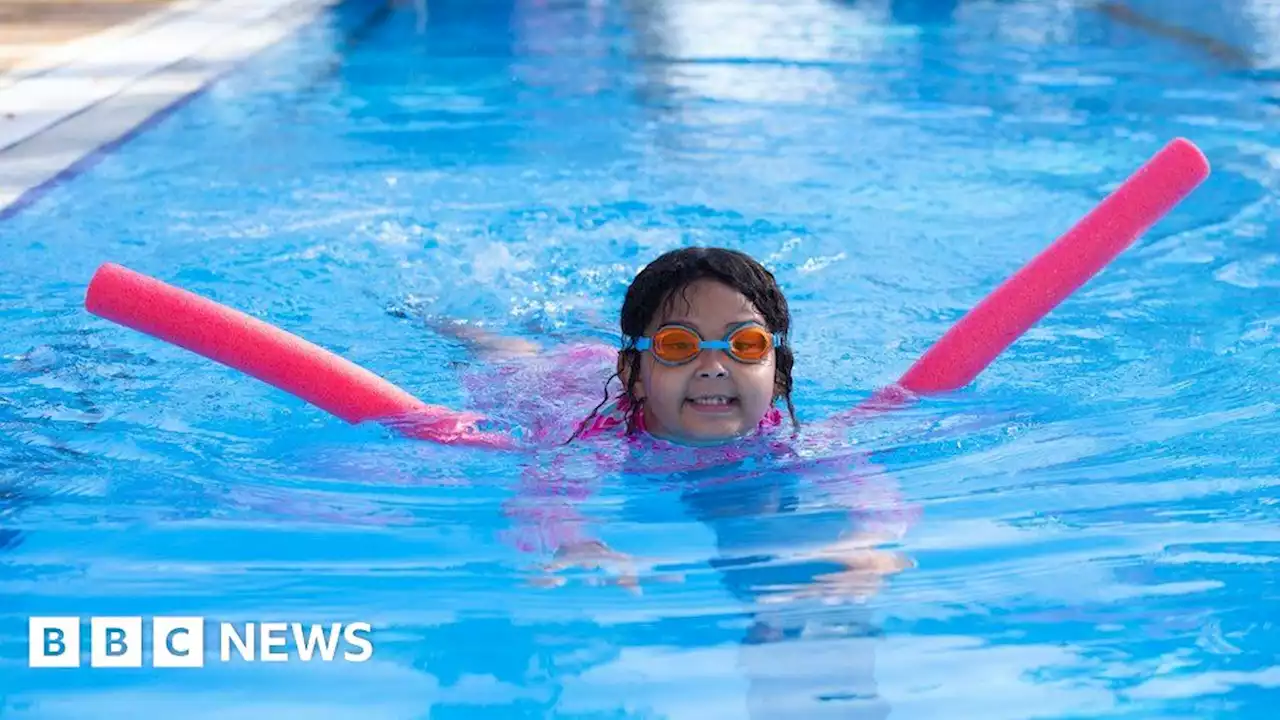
(711, 363)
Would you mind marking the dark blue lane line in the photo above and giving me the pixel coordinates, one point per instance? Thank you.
(1234, 56)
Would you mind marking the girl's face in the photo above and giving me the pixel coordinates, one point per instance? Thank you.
(712, 397)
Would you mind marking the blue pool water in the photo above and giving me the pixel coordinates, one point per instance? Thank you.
(1094, 522)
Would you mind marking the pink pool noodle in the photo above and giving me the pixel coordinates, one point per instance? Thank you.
(1044, 282)
(273, 356)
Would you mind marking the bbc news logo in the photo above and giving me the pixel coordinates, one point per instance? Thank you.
(179, 642)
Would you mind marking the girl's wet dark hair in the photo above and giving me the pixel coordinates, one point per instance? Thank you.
(665, 279)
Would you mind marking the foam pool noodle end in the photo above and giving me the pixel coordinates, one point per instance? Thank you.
(274, 356)
(1059, 270)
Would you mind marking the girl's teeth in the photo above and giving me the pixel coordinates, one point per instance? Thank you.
(718, 400)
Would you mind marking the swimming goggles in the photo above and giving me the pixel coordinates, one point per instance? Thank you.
(677, 344)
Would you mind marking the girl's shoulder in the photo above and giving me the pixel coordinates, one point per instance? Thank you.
(611, 420)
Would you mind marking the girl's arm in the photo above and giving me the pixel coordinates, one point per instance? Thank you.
(545, 512)
(482, 343)
(547, 521)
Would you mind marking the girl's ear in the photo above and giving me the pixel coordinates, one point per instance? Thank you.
(624, 373)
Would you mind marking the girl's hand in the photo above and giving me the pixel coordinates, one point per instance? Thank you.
(595, 555)
(865, 570)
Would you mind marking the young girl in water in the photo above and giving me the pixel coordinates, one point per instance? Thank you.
(703, 391)
(704, 372)
(702, 399)
(704, 359)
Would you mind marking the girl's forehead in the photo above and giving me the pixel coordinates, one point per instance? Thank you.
(708, 301)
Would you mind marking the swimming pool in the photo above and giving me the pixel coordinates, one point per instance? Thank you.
(1096, 524)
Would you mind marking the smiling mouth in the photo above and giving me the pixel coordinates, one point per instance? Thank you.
(712, 402)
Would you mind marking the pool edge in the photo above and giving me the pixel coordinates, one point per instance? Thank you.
(74, 138)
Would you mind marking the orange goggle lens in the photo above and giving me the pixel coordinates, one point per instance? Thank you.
(678, 345)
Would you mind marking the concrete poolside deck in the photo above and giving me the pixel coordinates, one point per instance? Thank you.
(29, 28)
